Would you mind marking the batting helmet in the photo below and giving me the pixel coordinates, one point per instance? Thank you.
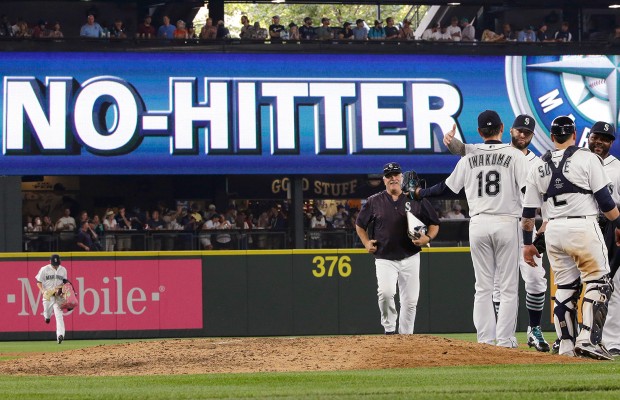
(563, 125)
(55, 260)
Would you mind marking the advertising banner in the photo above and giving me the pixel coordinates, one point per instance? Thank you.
(236, 113)
(135, 295)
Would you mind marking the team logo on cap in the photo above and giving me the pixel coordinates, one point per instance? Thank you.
(586, 88)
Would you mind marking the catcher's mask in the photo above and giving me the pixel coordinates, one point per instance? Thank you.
(55, 260)
(563, 125)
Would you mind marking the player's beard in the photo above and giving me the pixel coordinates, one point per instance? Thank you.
(519, 143)
(599, 149)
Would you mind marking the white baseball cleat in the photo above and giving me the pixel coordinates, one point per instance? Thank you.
(595, 351)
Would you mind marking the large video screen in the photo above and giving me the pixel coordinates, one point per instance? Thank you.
(68, 113)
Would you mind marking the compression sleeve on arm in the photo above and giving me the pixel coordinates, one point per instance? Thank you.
(435, 190)
(604, 200)
(529, 212)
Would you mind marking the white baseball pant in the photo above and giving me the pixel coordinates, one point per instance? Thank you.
(52, 305)
(406, 273)
(611, 330)
(495, 246)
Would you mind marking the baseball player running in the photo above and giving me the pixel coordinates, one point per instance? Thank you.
(521, 134)
(571, 182)
(600, 140)
(49, 281)
(397, 257)
(493, 175)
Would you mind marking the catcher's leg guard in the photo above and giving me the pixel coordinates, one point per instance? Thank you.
(594, 312)
(565, 315)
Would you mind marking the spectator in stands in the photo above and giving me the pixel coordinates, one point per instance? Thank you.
(247, 30)
(166, 31)
(317, 222)
(346, 33)
(222, 31)
(614, 38)
(145, 29)
(542, 35)
(109, 226)
(6, 29)
(91, 28)
(455, 213)
(123, 242)
(40, 31)
(118, 30)
(490, 36)
(454, 30)
(563, 35)
(66, 223)
(56, 32)
(376, 32)
(509, 34)
(48, 226)
(324, 32)
(444, 36)
(223, 240)
(261, 33)
(406, 33)
(527, 35)
(98, 233)
(432, 33)
(275, 29)
(306, 31)
(360, 32)
(293, 32)
(209, 31)
(468, 32)
(84, 240)
(391, 31)
(23, 31)
(181, 31)
(83, 218)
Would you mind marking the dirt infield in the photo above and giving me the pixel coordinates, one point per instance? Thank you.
(199, 356)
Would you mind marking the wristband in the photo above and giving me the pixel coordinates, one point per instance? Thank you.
(617, 223)
(528, 235)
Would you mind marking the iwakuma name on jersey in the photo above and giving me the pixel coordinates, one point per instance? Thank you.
(108, 116)
(483, 160)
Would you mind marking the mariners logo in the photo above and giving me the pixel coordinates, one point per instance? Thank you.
(586, 88)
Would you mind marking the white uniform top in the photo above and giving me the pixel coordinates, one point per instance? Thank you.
(612, 167)
(51, 278)
(492, 175)
(584, 169)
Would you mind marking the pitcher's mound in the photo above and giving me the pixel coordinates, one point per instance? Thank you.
(199, 356)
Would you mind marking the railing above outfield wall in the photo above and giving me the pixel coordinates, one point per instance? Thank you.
(233, 293)
(336, 46)
(451, 233)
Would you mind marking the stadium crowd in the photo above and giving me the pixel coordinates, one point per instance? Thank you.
(457, 30)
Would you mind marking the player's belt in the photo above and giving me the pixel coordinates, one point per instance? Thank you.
(574, 217)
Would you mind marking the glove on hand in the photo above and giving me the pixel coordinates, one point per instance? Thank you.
(539, 242)
(410, 183)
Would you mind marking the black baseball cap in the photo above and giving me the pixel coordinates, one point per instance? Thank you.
(562, 126)
(524, 121)
(489, 119)
(55, 260)
(391, 168)
(604, 128)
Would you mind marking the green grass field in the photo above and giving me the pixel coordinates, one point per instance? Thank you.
(553, 381)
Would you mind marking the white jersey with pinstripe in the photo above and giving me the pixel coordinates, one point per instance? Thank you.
(493, 175)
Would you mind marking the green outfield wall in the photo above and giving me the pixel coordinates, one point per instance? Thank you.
(234, 293)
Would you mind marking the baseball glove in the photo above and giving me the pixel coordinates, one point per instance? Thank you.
(539, 242)
(415, 227)
(410, 183)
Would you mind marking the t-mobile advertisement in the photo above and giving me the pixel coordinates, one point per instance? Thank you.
(123, 295)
